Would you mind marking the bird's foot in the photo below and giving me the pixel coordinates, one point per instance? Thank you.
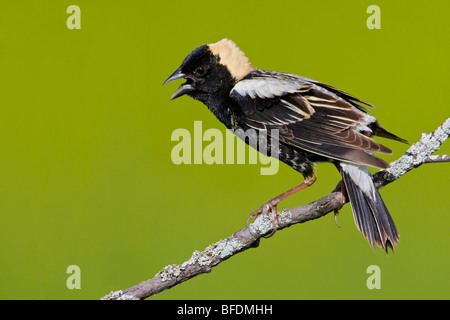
(271, 207)
(336, 213)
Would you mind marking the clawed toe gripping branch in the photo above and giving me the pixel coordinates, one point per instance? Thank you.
(248, 237)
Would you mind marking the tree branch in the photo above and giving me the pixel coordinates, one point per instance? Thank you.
(248, 237)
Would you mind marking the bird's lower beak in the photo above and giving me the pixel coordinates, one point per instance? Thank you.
(184, 88)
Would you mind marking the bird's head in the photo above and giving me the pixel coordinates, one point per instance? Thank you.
(211, 70)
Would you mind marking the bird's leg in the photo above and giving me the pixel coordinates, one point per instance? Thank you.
(272, 204)
(340, 188)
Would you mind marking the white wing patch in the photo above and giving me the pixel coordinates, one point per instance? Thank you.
(364, 122)
(265, 87)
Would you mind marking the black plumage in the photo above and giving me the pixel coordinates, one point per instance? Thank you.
(316, 123)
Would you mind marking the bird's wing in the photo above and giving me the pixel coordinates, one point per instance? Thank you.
(309, 115)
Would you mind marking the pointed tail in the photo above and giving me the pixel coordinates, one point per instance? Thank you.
(369, 211)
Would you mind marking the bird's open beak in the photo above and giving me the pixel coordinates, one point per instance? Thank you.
(184, 88)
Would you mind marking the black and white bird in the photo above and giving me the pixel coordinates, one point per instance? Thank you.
(315, 122)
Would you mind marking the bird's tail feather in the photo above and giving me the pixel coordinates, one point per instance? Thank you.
(369, 211)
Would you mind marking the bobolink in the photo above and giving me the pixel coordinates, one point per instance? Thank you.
(316, 123)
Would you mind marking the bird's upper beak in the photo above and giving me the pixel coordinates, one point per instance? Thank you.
(184, 88)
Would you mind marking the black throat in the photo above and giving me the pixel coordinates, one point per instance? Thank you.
(216, 96)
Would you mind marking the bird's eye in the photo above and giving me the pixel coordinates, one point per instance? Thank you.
(200, 71)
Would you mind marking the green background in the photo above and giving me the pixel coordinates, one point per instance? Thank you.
(86, 176)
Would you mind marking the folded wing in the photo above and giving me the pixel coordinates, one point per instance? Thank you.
(309, 115)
